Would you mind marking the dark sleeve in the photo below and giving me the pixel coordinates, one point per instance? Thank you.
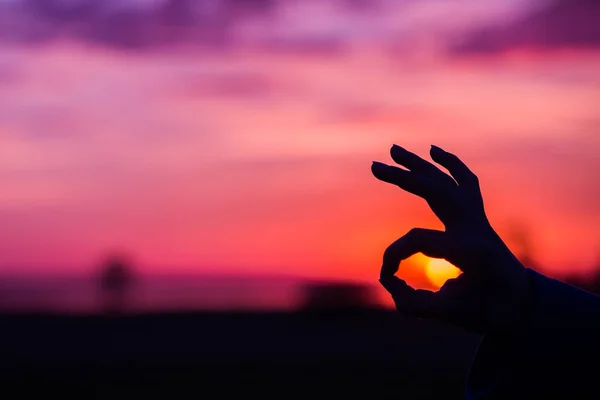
(553, 352)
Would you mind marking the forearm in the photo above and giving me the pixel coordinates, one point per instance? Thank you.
(552, 348)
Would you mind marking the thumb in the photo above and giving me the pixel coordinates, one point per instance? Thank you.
(416, 303)
(430, 242)
(409, 301)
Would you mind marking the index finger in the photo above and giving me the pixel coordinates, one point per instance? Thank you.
(430, 242)
(409, 181)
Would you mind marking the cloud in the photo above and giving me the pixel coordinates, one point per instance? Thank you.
(326, 27)
(562, 24)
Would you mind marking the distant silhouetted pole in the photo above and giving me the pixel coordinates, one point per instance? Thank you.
(115, 281)
(525, 251)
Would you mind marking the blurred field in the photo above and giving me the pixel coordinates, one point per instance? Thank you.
(369, 354)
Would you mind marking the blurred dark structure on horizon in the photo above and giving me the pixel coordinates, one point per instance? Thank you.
(115, 282)
(524, 245)
(333, 296)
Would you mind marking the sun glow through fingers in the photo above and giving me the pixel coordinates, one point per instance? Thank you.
(438, 271)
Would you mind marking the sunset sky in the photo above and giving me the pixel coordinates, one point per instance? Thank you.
(258, 161)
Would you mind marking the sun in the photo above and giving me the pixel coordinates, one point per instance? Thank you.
(439, 271)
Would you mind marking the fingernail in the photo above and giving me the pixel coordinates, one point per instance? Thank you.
(377, 164)
(435, 148)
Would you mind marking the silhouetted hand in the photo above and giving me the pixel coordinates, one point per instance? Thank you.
(491, 292)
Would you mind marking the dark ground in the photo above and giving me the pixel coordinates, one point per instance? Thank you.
(367, 354)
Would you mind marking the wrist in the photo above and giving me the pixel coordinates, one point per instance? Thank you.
(511, 303)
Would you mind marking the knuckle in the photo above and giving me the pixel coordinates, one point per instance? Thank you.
(474, 178)
(391, 250)
(414, 237)
(388, 252)
(415, 232)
